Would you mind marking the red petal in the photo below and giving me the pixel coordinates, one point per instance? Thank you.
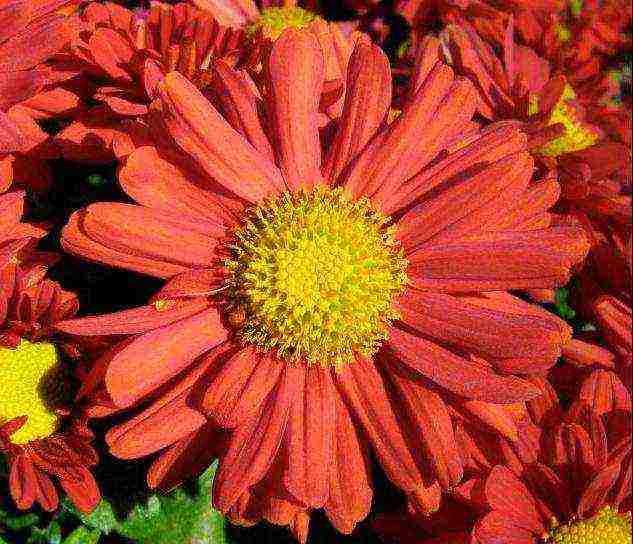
(430, 423)
(364, 392)
(495, 528)
(254, 446)
(296, 79)
(309, 439)
(240, 386)
(234, 94)
(465, 378)
(219, 150)
(487, 332)
(367, 100)
(159, 184)
(350, 490)
(22, 481)
(166, 421)
(510, 497)
(499, 261)
(140, 239)
(82, 491)
(134, 321)
(157, 356)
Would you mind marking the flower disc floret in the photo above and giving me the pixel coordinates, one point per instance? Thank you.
(273, 21)
(607, 527)
(28, 375)
(578, 135)
(315, 275)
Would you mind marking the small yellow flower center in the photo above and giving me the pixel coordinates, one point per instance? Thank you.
(562, 32)
(314, 276)
(578, 135)
(30, 387)
(606, 527)
(273, 21)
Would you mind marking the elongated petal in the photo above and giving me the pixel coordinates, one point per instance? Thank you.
(140, 239)
(350, 491)
(159, 426)
(255, 444)
(488, 332)
(500, 261)
(22, 481)
(463, 205)
(364, 392)
(367, 100)
(430, 421)
(296, 79)
(310, 436)
(240, 387)
(159, 355)
(186, 458)
(481, 150)
(134, 321)
(233, 92)
(156, 183)
(495, 527)
(508, 495)
(465, 378)
(219, 150)
(82, 490)
(413, 138)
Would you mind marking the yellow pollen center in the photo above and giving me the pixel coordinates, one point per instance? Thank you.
(273, 21)
(315, 275)
(578, 135)
(28, 375)
(606, 527)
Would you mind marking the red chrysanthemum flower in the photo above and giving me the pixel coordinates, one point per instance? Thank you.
(323, 306)
(122, 54)
(489, 18)
(578, 492)
(32, 32)
(118, 56)
(41, 439)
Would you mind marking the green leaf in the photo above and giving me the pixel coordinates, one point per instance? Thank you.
(101, 518)
(178, 518)
(21, 522)
(83, 535)
(562, 306)
(96, 180)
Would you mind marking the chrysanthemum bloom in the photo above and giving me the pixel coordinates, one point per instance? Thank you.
(580, 490)
(41, 439)
(489, 18)
(31, 33)
(325, 303)
(586, 39)
(120, 54)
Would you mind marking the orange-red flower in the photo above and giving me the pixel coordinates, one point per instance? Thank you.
(39, 435)
(323, 303)
(32, 32)
(581, 485)
(127, 52)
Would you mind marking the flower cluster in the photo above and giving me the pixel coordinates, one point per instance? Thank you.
(366, 260)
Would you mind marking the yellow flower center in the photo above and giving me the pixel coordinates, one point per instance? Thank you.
(606, 527)
(562, 32)
(30, 386)
(314, 275)
(577, 136)
(273, 21)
